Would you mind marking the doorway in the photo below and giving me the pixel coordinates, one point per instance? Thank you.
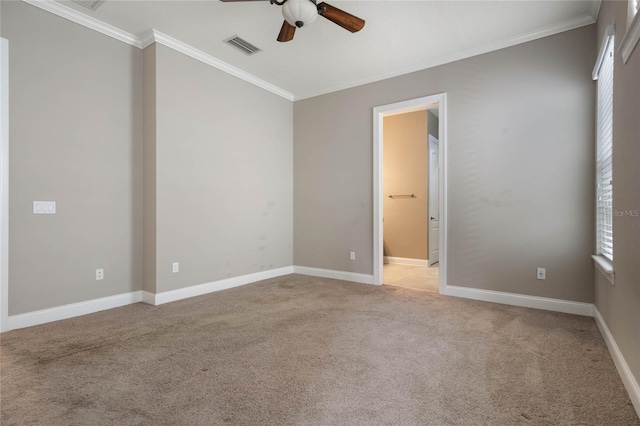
(410, 194)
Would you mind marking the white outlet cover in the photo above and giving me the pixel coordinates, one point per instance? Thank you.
(176, 267)
(44, 207)
(541, 273)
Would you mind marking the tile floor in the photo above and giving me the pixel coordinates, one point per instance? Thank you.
(414, 277)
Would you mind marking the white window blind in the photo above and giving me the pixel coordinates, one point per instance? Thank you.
(604, 152)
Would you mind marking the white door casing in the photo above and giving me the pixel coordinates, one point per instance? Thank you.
(434, 201)
(378, 118)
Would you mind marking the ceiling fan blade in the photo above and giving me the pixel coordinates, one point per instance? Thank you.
(340, 17)
(286, 32)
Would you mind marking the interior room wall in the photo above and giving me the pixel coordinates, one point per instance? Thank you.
(405, 172)
(149, 170)
(433, 124)
(520, 168)
(619, 304)
(75, 111)
(224, 174)
(113, 134)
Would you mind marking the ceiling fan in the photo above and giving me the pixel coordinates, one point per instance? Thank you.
(298, 13)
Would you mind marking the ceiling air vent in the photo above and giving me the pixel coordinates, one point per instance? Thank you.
(242, 45)
(89, 4)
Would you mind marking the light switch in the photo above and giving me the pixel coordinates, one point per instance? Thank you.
(44, 207)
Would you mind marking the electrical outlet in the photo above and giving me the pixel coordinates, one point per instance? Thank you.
(352, 255)
(541, 273)
(176, 267)
(44, 207)
(99, 274)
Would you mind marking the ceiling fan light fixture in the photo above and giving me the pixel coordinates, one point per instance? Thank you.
(299, 12)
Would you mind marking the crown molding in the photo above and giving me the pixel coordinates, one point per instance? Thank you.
(153, 36)
(177, 45)
(86, 21)
(147, 39)
(567, 25)
(595, 9)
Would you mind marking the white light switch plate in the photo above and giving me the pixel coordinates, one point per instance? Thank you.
(44, 207)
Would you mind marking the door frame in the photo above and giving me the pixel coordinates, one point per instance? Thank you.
(432, 139)
(4, 185)
(379, 113)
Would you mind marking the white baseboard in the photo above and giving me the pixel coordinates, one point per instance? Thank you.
(200, 289)
(336, 275)
(628, 379)
(546, 303)
(406, 261)
(44, 316)
(72, 310)
(148, 297)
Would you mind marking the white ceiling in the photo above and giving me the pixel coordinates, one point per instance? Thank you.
(399, 36)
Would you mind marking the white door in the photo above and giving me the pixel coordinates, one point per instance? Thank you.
(434, 200)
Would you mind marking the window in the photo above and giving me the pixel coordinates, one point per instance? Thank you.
(603, 73)
(604, 151)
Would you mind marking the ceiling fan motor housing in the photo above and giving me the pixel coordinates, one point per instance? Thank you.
(299, 12)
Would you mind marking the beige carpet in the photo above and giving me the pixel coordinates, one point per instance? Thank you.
(414, 277)
(307, 351)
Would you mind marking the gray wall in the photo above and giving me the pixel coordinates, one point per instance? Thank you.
(149, 178)
(520, 169)
(620, 304)
(433, 124)
(75, 138)
(224, 174)
(120, 138)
